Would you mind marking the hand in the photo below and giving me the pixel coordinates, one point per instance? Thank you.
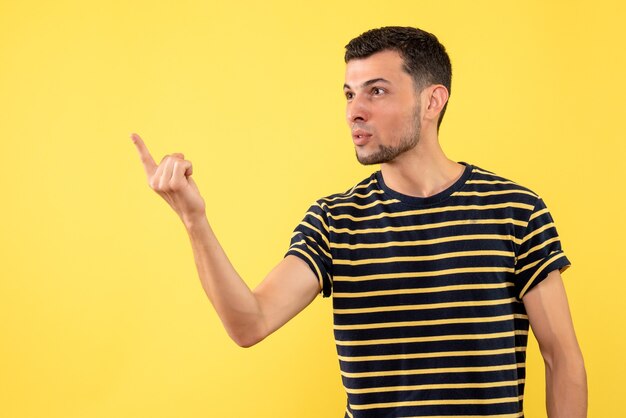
(172, 180)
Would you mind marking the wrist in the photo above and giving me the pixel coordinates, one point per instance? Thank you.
(194, 221)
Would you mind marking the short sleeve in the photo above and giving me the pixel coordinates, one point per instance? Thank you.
(310, 242)
(539, 251)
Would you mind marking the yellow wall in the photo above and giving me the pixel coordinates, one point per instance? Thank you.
(101, 311)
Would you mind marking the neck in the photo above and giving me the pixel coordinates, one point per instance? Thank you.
(422, 171)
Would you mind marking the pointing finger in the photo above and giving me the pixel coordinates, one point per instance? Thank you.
(148, 162)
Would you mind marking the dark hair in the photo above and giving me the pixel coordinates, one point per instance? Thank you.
(425, 59)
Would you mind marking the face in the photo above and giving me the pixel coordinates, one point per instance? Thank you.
(382, 108)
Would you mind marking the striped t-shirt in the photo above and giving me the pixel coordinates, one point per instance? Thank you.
(428, 318)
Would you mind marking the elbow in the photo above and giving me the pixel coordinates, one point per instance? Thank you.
(580, 371)
(245, 342)
(246, 330)
(569, 362)
(246, 338)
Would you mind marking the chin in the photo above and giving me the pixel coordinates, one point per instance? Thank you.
(371, 159)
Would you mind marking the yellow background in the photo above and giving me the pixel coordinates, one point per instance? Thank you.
(101, 310)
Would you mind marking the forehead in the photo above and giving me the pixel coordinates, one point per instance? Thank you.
(384, 64)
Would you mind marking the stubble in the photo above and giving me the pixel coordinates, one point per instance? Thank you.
(408, 140)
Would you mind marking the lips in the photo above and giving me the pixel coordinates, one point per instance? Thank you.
(360, 137)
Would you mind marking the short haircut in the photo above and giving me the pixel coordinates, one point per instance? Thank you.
(425, 59)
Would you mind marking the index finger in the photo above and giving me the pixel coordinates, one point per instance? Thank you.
(148, 162)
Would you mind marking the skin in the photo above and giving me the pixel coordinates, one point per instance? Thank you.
(399, 127)
(392, 111)
(551, 322)
(248, 316)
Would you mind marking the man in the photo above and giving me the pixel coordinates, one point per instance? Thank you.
(436, 267)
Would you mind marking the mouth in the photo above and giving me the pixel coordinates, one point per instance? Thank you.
(360, 137)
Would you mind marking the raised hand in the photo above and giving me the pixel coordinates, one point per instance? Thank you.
(171, 179)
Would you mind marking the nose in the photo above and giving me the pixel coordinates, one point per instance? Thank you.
(357, 110)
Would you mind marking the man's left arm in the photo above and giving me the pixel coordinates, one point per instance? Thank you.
(551, 322)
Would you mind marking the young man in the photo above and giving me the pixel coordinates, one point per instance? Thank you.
(436, 268)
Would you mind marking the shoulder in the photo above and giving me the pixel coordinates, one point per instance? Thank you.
(485, 187)
(337, 204)
(486, 180)
(363, 190)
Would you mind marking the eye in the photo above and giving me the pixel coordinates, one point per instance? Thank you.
(349, 95)
(377, 91)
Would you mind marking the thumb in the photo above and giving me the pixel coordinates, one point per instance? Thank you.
(189, 168)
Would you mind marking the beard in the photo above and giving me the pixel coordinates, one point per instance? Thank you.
(408, 140)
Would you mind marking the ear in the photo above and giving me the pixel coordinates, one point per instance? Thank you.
(437, 97)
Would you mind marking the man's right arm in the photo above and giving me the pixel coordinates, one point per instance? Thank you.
(248, 316)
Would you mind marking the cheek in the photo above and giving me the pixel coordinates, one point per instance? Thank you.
(393, 119)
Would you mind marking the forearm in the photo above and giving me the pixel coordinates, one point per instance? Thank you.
(566, 388)
(236, 305)
(234, 302)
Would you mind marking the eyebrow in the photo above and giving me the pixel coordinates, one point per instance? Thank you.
(369, 83)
